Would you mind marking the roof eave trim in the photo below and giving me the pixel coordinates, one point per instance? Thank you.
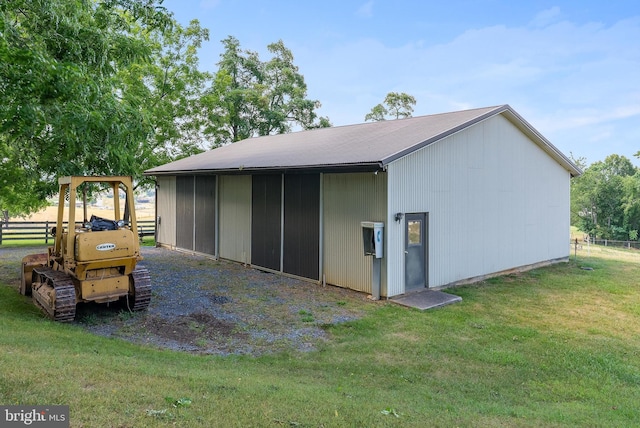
(545, 144)
(511, 115)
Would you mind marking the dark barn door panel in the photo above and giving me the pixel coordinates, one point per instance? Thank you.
(205, 216)
(302, 225)
(184, 212)
(266, 191)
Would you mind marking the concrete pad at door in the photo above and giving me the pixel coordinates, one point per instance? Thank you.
(427, 299)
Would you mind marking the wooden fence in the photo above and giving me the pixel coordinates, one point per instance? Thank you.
(630, 245)
(39, 230)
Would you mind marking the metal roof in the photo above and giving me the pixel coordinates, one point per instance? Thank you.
(366, 146)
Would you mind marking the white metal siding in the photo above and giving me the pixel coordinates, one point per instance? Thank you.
(348, 200)
(166, 211)
(496, 201)
(235, 218)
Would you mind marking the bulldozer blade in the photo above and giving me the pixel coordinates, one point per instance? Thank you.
(28, 263)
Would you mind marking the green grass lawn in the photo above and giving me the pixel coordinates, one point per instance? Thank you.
(558, 346)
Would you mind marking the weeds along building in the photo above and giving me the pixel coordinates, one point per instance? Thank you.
(459, 196)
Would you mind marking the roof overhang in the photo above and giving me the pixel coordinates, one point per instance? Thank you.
(517, 120)
(360, 167)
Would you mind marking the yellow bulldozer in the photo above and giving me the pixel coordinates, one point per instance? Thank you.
(93, 260)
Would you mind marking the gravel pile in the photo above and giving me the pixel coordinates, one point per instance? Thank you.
(216, 307)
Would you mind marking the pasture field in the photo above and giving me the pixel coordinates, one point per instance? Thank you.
(556, 347)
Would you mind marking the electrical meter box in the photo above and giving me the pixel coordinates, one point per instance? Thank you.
(373, 238)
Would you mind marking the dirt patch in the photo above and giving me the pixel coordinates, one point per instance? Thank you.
(191, 328)
(216, 307)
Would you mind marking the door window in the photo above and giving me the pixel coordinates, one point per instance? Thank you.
(415, 232)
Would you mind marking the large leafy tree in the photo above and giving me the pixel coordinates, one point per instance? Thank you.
(396, 105)
(250, 97)
(171, 85)
(102, 87)
(64, 108)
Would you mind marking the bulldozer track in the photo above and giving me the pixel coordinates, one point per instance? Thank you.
(141, 289)
(64, 308)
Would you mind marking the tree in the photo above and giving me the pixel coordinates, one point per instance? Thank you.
(604, 199)
(396, 104)
(377, 114)
(631, 205)
(112, 87)
(250, 97)
(65, 108)
(172, 86)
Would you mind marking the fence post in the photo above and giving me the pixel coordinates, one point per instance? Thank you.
(46, 232)
(1, 227)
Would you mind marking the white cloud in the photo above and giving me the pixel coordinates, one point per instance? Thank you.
(209, 4)
(546, 17)
(365, 10)
(576, 83)
(581, 118)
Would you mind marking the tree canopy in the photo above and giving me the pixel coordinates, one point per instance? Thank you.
(396, 105)
(113, 87)
(171, 85)
(65, 109)
(605, 199)
(250, 97)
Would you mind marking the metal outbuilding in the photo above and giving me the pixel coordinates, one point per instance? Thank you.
(460, 196)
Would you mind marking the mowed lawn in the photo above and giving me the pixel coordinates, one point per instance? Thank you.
(557, 346)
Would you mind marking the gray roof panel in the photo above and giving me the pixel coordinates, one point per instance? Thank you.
(353, 146)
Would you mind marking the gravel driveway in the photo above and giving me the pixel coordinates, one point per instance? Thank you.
(216, 307)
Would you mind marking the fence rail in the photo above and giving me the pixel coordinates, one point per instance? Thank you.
(606, 243)
(39, 230)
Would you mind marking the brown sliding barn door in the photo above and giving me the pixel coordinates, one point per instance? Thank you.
(195, 213)
(266, 209)
(302, 225)
(205, 214)
(184, 212)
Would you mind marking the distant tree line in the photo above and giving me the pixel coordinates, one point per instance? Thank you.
(605, 199)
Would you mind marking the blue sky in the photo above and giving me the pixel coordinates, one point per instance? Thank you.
(571, 68)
